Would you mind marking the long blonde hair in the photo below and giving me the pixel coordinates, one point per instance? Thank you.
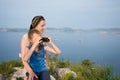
(35, 21)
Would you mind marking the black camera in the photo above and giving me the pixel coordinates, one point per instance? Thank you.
(45, 39)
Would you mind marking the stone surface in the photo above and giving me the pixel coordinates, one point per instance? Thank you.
(52, 78)
(20, 72)
(63, 71)
(4, 77)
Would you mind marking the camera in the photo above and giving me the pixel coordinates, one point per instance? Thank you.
(45, 39)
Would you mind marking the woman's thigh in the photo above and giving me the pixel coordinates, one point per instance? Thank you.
(44, 75)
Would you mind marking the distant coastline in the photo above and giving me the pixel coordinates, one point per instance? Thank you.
(111, 31)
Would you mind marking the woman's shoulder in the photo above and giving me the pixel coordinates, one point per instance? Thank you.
(25, 38)
(25, 35)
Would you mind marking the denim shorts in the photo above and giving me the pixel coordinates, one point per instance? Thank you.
(44, 75)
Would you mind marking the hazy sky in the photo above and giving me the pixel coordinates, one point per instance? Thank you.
(61, 13)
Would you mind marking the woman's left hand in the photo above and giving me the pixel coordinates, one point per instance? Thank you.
(50, 40)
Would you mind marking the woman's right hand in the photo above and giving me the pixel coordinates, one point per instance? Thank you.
(37, 41)
(32, 75)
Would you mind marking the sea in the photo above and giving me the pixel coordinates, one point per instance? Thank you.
(100, 47)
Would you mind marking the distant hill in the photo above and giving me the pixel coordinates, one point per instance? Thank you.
(66, 29)
(13, 30)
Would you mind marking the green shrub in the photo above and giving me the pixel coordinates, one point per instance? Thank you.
(16, 63)
(67, 76)
(20, 78)
(8, 67)
(85, 70)
(63, 64)
(51, 70)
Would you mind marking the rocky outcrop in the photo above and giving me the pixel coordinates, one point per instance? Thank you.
(20, 73)
(4, 77)
(63, 71)
(52, 78)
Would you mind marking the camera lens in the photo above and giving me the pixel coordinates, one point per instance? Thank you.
(45, 39)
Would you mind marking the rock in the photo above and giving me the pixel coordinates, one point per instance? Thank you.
(19, 73)
(74, 74)
(63, 71)
(0, 76)
(52, 78)
(4, 77)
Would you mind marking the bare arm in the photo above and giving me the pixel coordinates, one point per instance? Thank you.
(53, 49)
(30, 51)
(23, 54)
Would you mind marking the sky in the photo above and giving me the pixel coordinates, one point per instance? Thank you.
(82, 14)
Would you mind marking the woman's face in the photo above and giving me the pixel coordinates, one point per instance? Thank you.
(41, 26)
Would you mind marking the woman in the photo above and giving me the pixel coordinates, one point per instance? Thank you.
(38, 22)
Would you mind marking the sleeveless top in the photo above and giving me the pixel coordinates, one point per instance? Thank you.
(37, 59)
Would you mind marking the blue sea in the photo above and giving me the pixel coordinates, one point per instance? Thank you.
(104, 49)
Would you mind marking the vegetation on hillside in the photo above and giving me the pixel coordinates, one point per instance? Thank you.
(7, 68)
(85, 70)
